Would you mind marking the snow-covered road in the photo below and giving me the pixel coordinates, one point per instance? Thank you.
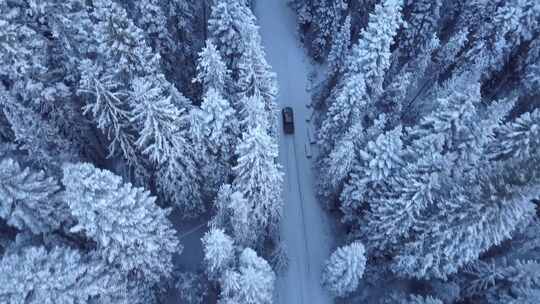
(305, 227)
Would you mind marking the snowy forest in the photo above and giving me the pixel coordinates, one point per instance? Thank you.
(145, 156)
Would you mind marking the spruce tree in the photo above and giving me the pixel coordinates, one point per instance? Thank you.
(340, 47)
(130, 230)
(30, 200)
(231, 26)
(251, 283)
(344, 269)
(218, 252)
(60, 275)
(156, 117)
(363, 78)
(212, 73)
(259, 179)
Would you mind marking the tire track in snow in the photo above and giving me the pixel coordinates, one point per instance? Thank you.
(303, 216)
(290, 192)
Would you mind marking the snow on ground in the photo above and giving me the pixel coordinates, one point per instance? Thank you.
(305, 227)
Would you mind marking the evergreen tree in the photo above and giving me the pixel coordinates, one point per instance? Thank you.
(157, 119)
(233, 215)
(340, 47)
(212, 73)
(121, 43)
(514, 22)
(519, 138)
(322, 19)
(421, 19)
(344, 269)
(179, 182)
(256, 80)
(43, 141)
(259, 179)
(503, 281)
(216, 131)
(130, 230)
(152, 19)
(231, 26)
(251, 283)
(363, 78)
(30, 200)
(218, 252)
(192, 288)
(61, 275)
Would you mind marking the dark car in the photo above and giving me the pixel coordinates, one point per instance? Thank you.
(288, 120)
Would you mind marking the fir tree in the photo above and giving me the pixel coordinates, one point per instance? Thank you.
(251, 283)
(216, 130)
(259, 179)
(363, 78)
(344, 269)
(131, 231)
(218, 252)
(256, 80)
(61, 275)
(157, 119)
(212, 73)
(231, 26)
(421, 19)
(340, 47)
(30, 200)
(233, 215)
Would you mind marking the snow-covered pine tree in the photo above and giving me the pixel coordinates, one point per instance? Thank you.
(131, 231)
(363, 78)
(421, 18)
(212, 72)
(231, 26)
(370, 56)
(157, 118)
(374, 164)
(221, 128)
(216, 131)
(478, 218)
(151, 18)
(219, 252)
(321, 20)
(503, 281)
(43, 141)
(120, 43)
(251, 283)
(60, 275)
(192, 287)
(513, 23)
(179, 182)
(481, 207)
(344, 269)
(340, 47)
(120, 55)
(519, 138)
(342, 160)
(30, 200)
(259, 178)
(256, 80)
(233, 215)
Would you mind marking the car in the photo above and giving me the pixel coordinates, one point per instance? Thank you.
(288, 120)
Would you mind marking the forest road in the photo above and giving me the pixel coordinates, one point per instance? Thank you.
(305, 229)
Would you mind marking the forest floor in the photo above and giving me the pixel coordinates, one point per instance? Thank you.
(306, 228)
